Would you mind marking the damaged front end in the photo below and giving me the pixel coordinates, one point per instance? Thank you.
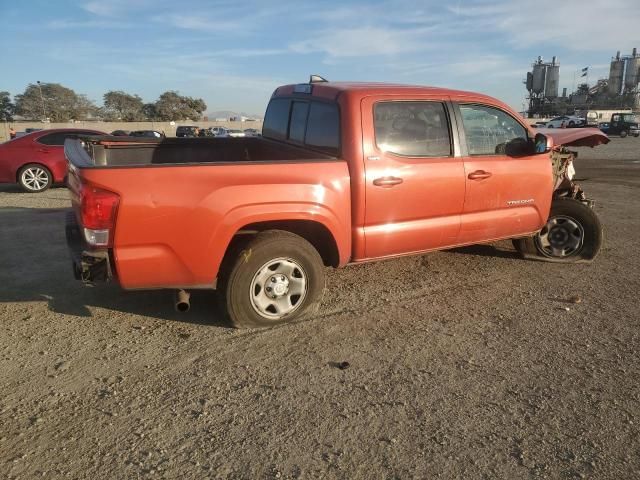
(563, 173)
(562, 159)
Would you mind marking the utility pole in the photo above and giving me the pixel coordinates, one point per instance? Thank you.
(44, 111)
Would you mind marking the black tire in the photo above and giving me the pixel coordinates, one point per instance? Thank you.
(572, 124)
(34, 178)
(623, 133)
(550, 126)
(243, 284)
(568, 220)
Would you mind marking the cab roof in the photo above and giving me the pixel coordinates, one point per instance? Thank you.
(363, 89)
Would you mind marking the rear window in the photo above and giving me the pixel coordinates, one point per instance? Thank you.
(323, 128)
(314, 124)
(276, 120)
(298, 122)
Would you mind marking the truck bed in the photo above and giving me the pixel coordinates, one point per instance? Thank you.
(124, 152)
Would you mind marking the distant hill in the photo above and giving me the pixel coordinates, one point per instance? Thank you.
(229, 114)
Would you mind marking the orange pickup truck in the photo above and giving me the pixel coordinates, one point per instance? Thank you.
(343, 173)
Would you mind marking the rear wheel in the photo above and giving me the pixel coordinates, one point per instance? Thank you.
(573, 233)
(278, 277)
(623, 133)
(34, 178)
(572, 123)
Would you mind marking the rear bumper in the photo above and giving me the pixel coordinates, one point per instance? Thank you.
(90, 266)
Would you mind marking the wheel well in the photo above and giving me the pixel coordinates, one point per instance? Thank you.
(314, 232)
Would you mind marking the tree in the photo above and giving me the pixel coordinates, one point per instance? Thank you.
(6, 107)
(119, 105)
(172, 106)
(58, 103)
(149, 111)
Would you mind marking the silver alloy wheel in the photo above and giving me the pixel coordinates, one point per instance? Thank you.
(561, 237)
(278, 288)
(35, 178)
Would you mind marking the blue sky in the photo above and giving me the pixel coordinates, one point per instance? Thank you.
(234, 53)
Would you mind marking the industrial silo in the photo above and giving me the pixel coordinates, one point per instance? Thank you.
(553, 79)
(631, 75)
(615, 75)
(537, 84)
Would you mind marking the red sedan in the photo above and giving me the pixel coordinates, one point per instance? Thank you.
(36, 161)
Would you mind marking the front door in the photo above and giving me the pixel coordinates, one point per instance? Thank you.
(414, 179)
(508, 187)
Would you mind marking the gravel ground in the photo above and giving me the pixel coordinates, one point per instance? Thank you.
(470, 363)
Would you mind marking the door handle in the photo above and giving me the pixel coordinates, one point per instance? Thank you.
(43, 150)
(479, 175)
(387, 182)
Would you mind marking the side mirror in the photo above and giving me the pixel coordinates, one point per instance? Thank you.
(543, 144)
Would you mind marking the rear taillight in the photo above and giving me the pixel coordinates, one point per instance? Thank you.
(98, 210)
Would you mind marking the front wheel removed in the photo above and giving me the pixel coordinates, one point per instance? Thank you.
(572, 234)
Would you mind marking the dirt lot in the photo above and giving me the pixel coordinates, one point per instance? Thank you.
(469, 363)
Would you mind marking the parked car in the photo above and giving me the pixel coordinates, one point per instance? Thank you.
(565, 121)
(236, 133)
(147, 133)
(604, 127)
(220, 131)
(206, 132)
(120, 133)
(259, 218)
(251, 132)
(186, 131)
(36, 160)
(624, 124)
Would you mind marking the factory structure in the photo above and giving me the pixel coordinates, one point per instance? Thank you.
(619, 92)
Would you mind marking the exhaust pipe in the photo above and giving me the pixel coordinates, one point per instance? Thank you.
(182, 301)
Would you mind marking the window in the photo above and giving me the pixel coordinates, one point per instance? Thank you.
(53, 139)
(416, 129)
(491, 131)
(323, 128)
(58, 138)
(276, 120)
(298, 122)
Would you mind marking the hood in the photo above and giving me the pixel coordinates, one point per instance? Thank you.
(575, 137)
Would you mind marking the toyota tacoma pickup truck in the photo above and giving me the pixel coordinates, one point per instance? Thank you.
(343, 173)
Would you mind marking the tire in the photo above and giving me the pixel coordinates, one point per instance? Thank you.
(572, 234)
(550, 126)
(34, 178)
(623, 133)
(278, 277)
(572, 124)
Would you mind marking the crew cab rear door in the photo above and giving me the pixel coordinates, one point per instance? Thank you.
(508, 186)
(414, 178)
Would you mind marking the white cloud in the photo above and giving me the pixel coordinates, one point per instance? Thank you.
(570, 24)
(201, 22)
(362, 42)
(62, 24)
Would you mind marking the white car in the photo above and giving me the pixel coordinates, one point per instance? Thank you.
(236, 133)
(219, 131)
(565, 121)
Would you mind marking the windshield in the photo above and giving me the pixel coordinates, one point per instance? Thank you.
(631, 118)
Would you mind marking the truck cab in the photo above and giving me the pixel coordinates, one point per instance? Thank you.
(624, 124)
